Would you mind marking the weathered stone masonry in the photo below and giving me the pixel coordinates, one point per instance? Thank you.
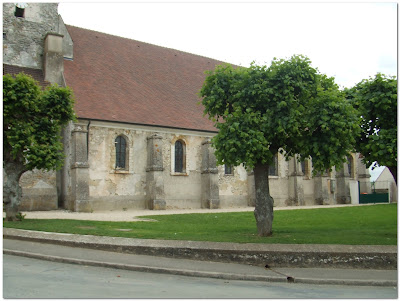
(150, 181)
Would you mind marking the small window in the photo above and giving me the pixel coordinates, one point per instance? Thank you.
(305, 168)
(228, 170)
(350, 164)
(20, 10)
(179, 156)
(120, 152)
(273, 168)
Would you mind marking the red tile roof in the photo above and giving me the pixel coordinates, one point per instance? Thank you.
(37, 74)
(123, 80)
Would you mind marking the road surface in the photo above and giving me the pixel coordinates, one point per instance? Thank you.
(31, 278)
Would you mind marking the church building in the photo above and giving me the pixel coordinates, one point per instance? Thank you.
(141, 140)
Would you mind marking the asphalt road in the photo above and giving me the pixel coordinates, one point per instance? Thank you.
(32, 278)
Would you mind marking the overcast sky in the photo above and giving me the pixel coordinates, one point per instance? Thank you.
(350, 41)
(375, 173)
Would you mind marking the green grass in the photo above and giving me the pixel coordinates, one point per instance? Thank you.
(361, 225)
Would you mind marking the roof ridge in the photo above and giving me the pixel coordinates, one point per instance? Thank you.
(150, 44)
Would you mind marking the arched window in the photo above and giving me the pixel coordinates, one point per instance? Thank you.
(179, 156)
(305, 167)
(120, 152)
(350, 164)
(273, 168)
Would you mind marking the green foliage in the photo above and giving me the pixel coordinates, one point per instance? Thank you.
(32, 121)
(376, 100)
(288, 106)
(360, 225)
(332, 130)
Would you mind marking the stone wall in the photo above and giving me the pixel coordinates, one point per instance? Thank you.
(23, 38)
(39, 191)
(308, 185)
(109, 187)
(115, 189)
(91, 182)
(233, 187)
(182, 190)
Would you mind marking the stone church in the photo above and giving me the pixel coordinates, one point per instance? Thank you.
(141, 140)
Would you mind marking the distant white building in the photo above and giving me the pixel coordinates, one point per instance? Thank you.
(375, 173)
(383, 181)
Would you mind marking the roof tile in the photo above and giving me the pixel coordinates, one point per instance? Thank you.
(37, 74)
(124, 80)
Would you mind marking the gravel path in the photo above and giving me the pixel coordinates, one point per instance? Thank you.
(132, 215)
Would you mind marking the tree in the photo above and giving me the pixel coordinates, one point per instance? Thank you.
(32, 122)
(376, 100)
(288, 107)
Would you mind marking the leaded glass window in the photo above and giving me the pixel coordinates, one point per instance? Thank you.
(305, 168)
(273, 168)
(120, 152)
(179, 156)
(350, 163)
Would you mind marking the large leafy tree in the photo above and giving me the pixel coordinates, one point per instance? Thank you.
(287, 107)
(32, 122)
(376, 100)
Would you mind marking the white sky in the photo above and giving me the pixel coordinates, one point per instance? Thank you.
(350, 41)
(375, 173)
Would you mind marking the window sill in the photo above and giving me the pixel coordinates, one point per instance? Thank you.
(120, 171)
(179, 174)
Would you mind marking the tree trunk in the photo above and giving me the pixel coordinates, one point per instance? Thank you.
(264, 211)
(393, 170)
(12, 192)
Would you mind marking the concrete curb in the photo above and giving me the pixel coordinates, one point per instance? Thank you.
(194, 273)
(296, 256)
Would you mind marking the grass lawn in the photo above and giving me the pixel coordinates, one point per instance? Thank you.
(363, 225)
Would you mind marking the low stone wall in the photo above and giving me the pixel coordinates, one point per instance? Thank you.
(273, 255)
(39, 191)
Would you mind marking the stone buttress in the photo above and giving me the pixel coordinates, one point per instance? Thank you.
(295, 185)
(154, 174)
(209, 177)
